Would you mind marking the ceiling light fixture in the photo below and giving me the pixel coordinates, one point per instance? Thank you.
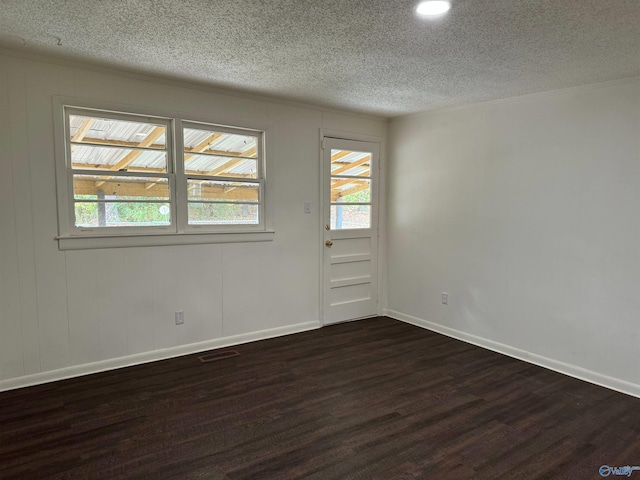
(433, 8)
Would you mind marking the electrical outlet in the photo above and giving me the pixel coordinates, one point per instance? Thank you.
(445, 298)
(307, 207)
(179, 317)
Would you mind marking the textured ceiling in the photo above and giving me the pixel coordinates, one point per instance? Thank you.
(373, 56)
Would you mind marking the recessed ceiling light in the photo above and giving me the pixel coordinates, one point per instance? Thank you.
(433, 7)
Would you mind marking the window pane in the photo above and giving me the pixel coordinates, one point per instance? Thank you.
(127, 214)
(350, 216)
(109, 131)
(222, 214)
(345, 162)
(212, 142)
(221, 166)
(108, 158)
(350, 190)
(95, 187)
(223, 191)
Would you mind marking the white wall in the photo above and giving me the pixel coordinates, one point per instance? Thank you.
(527, 212)
(62, 311)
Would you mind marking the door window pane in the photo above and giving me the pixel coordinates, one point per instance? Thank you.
(350, 193)
(344, 162)
(350, 216)
(350, 190)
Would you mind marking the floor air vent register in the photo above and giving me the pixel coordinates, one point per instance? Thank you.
(212, 357)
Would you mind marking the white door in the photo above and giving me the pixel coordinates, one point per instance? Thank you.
(350, 226)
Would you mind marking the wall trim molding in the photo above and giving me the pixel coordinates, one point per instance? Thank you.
(574, 371)
(152, 356)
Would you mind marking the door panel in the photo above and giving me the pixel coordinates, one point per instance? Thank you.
(350, 246)
(350, 213)
(350, 293)
(342, 271)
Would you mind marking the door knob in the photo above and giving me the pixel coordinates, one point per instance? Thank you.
(328, 243)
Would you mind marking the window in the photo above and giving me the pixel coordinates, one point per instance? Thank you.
(120, 170)
(350, 189)
(133, 174)
(222, 170)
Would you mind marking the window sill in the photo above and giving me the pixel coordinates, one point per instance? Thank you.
(154, 240)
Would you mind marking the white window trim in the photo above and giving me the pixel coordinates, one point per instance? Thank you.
(179, 233)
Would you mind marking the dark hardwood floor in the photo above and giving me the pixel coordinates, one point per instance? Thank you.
(374, 399)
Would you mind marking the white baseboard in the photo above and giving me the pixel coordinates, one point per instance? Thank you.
(152, 356)
(555, 365)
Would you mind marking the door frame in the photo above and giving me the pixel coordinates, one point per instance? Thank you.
(381, 212)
